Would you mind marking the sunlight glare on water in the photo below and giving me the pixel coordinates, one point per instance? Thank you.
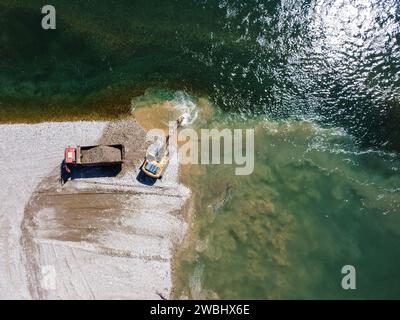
(318, 79)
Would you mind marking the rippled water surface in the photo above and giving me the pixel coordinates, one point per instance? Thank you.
(318, 79)
(336, 61)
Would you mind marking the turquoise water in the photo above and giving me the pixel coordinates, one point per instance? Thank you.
(334, 61)
(318, 79)
(313, 204)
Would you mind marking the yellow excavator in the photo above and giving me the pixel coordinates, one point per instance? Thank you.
(157, 157)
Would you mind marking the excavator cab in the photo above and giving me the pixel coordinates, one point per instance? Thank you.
(156, 161)
(157, 156)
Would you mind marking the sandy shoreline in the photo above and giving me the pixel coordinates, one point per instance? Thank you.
(105, 237)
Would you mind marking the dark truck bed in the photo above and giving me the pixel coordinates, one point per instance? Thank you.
(100, 155)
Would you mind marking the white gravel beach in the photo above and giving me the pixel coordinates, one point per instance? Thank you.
(102, 237)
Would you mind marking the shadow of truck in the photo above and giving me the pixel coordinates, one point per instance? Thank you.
(99, 171)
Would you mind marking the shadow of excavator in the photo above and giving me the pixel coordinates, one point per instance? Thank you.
(145, 179)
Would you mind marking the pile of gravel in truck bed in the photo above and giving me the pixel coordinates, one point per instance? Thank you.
(101, 154)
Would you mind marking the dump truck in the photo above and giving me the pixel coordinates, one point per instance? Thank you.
(96, 155)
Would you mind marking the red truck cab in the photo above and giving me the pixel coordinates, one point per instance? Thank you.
(70, 155)
(70, 158)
